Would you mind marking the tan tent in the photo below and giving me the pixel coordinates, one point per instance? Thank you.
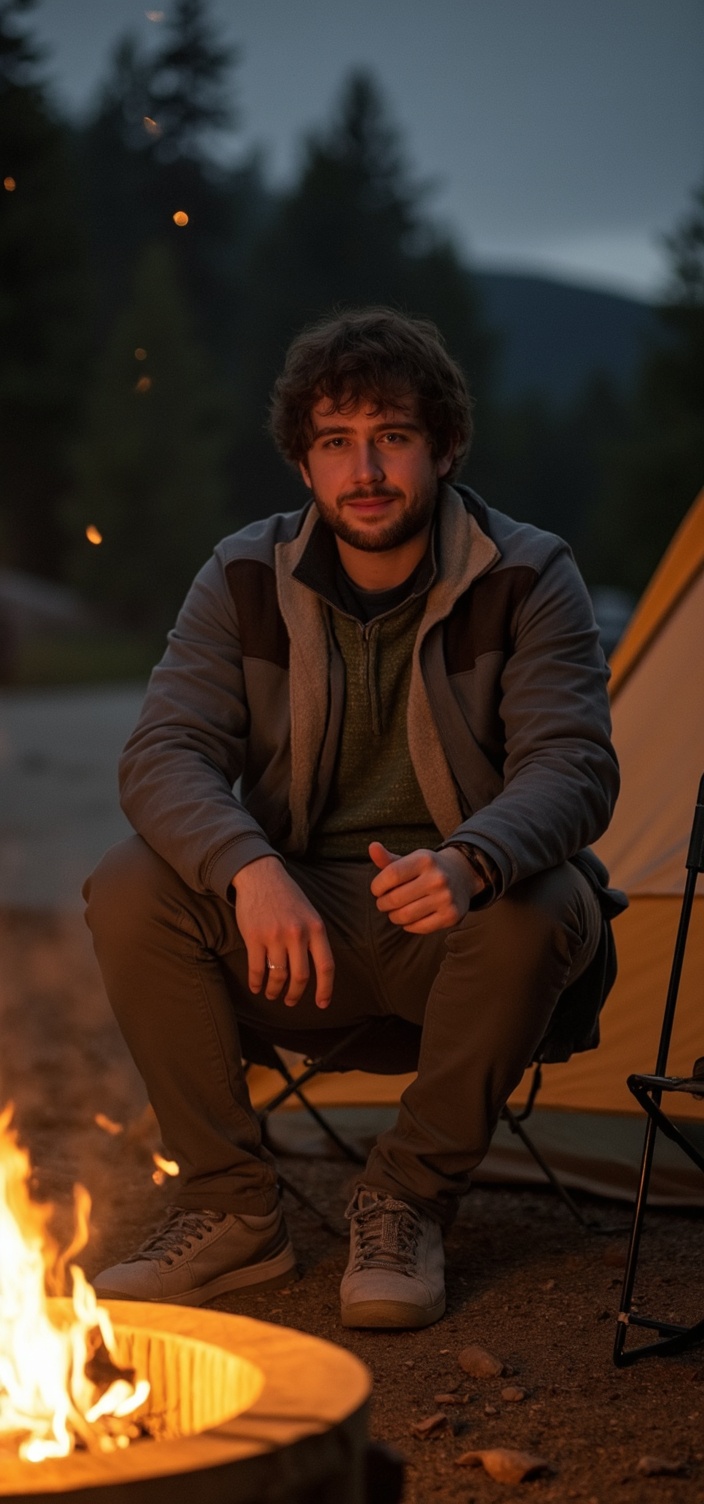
(588, 1124)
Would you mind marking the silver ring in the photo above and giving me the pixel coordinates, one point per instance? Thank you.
(273, 967)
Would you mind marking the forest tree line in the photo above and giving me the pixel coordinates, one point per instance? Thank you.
(137, 352)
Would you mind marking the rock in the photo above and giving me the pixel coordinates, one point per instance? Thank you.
(659, 1467)
(505, 1465)
(491, 1409)
(513, 1394)
(450, 1399)
(431, 1424)
(479, 1363)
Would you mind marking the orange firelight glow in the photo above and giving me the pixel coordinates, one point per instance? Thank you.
(10, 184)
(180, 217)
(93, 535)
(164, 1167)
(107, 1124)
(47, 1400)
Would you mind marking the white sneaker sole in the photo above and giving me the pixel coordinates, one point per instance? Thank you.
(391, 1313)
(270, 1274)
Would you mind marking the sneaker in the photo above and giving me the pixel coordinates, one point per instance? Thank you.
(395, 1272)
(196, 1255)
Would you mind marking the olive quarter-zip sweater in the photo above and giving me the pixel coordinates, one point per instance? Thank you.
(374, 793)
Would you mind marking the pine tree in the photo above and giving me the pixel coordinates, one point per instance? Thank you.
(143, 156)
(42, 308)
(190, 84)
(352, 230)
(656, 474)
(150, 465)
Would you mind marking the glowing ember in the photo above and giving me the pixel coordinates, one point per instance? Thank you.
(93, 535)
(60, 1381)
(107, 1124)
(10, 184)
(144, 384)
(151, 126)
(180, 217)
(164, 1167)
(140, 353)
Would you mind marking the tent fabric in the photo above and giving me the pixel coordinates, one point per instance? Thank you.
(658, 732)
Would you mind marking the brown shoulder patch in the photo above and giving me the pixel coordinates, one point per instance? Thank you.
(262, 628)
(480, 621)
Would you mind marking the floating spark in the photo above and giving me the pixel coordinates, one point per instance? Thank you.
(164, 1167)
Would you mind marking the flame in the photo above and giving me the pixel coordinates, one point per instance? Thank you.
(180, 217)
(107, 1124)
(93, 535)
(48, 1397)
(164, 1167)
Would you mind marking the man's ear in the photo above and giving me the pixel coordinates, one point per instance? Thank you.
(446, 462)
(305, 474)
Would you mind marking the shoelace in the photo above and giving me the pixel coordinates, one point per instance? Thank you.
(178, 1231)
(387, 1234)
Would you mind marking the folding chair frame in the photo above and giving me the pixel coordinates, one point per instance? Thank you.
(648, 1091)
(294, 1086)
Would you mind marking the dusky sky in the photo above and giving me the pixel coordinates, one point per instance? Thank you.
(563, 136)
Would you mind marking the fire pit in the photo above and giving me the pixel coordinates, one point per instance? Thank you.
(300, 1433)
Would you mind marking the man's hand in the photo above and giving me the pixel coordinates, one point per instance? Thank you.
(277, 923)
(424, 891)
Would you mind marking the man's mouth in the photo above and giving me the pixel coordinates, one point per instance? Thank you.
(371, 502)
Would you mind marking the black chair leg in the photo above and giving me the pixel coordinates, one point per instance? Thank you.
(516, 1127)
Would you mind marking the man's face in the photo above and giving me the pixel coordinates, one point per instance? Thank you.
(373, 476)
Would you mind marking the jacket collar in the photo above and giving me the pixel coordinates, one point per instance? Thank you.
(463, 551)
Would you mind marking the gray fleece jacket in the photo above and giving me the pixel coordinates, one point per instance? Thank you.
(508, 714)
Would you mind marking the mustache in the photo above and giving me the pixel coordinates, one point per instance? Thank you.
(365, 493)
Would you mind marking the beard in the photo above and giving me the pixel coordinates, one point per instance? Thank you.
(416, 515)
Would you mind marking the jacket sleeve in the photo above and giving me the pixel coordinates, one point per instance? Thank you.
(560, 774)
(187, 749)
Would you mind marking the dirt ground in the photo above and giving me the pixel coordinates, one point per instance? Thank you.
(523, 1279)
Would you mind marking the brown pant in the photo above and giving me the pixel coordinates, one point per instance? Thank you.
(175, 969)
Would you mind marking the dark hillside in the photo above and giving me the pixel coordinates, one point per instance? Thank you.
(555, 336)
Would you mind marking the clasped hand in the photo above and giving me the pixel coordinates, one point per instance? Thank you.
(282, 931)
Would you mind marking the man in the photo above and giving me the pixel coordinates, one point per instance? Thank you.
(411, 690)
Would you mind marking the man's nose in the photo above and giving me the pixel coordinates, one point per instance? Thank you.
(368, 464)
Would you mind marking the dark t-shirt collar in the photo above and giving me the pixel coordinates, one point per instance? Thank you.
(321, 570)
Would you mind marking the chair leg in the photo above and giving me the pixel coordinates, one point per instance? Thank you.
(516, 1126)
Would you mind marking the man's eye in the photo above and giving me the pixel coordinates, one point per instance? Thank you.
(395, 438)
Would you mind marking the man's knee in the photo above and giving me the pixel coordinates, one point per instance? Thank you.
(554, 911)
(125, 887)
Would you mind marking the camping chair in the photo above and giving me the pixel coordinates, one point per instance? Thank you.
(387, 1046)
(648, 1091)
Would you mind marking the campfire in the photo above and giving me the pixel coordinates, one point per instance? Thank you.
(129, 1393)
(61, 1381)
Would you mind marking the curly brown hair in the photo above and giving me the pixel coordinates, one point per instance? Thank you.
(375, 355)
